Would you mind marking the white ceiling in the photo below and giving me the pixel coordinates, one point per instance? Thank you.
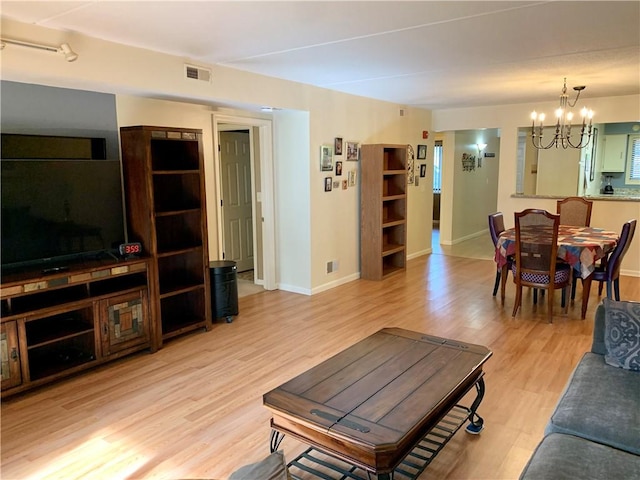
(431, 54)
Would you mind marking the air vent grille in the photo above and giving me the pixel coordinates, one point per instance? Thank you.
(197, 73)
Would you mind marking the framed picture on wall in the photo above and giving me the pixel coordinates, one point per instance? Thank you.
(352, 151)
(326, 158)
(423, 170)
(352, 178)
(328, 181)
(422, 152)
(337, 146)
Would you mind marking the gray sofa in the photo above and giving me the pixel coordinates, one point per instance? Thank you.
(594, 432)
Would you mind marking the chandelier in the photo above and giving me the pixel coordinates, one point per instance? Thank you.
(562, 137)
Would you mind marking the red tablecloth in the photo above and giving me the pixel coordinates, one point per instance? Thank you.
(581, 247)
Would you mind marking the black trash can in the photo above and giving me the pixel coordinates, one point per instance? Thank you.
(224, 289)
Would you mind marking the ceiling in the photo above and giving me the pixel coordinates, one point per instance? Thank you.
(429, 54)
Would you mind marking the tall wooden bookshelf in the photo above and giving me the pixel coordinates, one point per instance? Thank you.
(163, 170)
(383, 202)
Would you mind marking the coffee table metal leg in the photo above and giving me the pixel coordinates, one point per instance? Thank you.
(476, 423)
(381, 476)
(276, 438)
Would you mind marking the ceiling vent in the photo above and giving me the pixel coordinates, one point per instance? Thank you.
(197, 73)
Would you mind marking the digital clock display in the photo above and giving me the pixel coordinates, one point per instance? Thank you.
(128, 249)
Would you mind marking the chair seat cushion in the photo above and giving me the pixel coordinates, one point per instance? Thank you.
(565, 457)
(561, 276)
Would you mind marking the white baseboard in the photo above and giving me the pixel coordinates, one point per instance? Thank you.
(465, 238)
(335, 283)
(426, 251)
(293, 289)
(630, 273)
(321, 288)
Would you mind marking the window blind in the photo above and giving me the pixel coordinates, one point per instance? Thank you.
(634, 159)
(437, 167)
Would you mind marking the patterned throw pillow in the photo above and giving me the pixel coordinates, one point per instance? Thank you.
(622, 334)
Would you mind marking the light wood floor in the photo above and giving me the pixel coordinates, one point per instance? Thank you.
(194, 408)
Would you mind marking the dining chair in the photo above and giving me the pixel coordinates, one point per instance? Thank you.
(535, 260)
(574, 211)
(496, 227)
(608, 272)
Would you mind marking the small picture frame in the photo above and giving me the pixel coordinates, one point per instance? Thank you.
(328, 182)
(352, 178)
(422, 152)
(353, 151)
(326, 158)
(423, 170)
(337, 146)
(344, 184)
(338, 169)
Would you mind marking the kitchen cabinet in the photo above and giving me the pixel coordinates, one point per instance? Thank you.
(615, 153)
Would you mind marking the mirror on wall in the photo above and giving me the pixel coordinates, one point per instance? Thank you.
(583, 172)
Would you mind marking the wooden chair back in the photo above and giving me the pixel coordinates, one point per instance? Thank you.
(536, 247)
(614, 261)
(496, 226)
(575, 211)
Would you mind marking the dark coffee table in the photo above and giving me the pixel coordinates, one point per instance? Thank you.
(390, 397)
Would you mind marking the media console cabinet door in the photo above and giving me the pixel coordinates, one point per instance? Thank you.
(9, 353)
(124, 322)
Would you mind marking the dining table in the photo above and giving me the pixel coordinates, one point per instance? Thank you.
(580, 247)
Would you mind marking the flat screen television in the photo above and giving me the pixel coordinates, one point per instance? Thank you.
(61, 202)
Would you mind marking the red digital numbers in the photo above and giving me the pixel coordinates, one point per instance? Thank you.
(130, 249)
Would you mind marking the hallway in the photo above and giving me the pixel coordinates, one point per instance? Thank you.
(480, 248)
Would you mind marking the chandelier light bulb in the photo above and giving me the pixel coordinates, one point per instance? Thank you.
(562, 137)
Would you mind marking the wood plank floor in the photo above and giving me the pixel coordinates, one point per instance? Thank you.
(194, 408)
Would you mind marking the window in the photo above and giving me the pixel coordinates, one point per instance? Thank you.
(633, 160)
(437, 167)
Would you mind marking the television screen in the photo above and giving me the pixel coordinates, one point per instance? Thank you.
(59, 211)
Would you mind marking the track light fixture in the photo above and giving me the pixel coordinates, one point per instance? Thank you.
(64, 49)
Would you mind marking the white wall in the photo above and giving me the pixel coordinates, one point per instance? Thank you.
(151, 89)
(475, 191)
(606, 214)
(132, 110)
(558, 172)
(293, 227)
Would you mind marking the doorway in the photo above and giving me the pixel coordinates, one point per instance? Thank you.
(236, 205)
(437, 190)
(246, 225)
